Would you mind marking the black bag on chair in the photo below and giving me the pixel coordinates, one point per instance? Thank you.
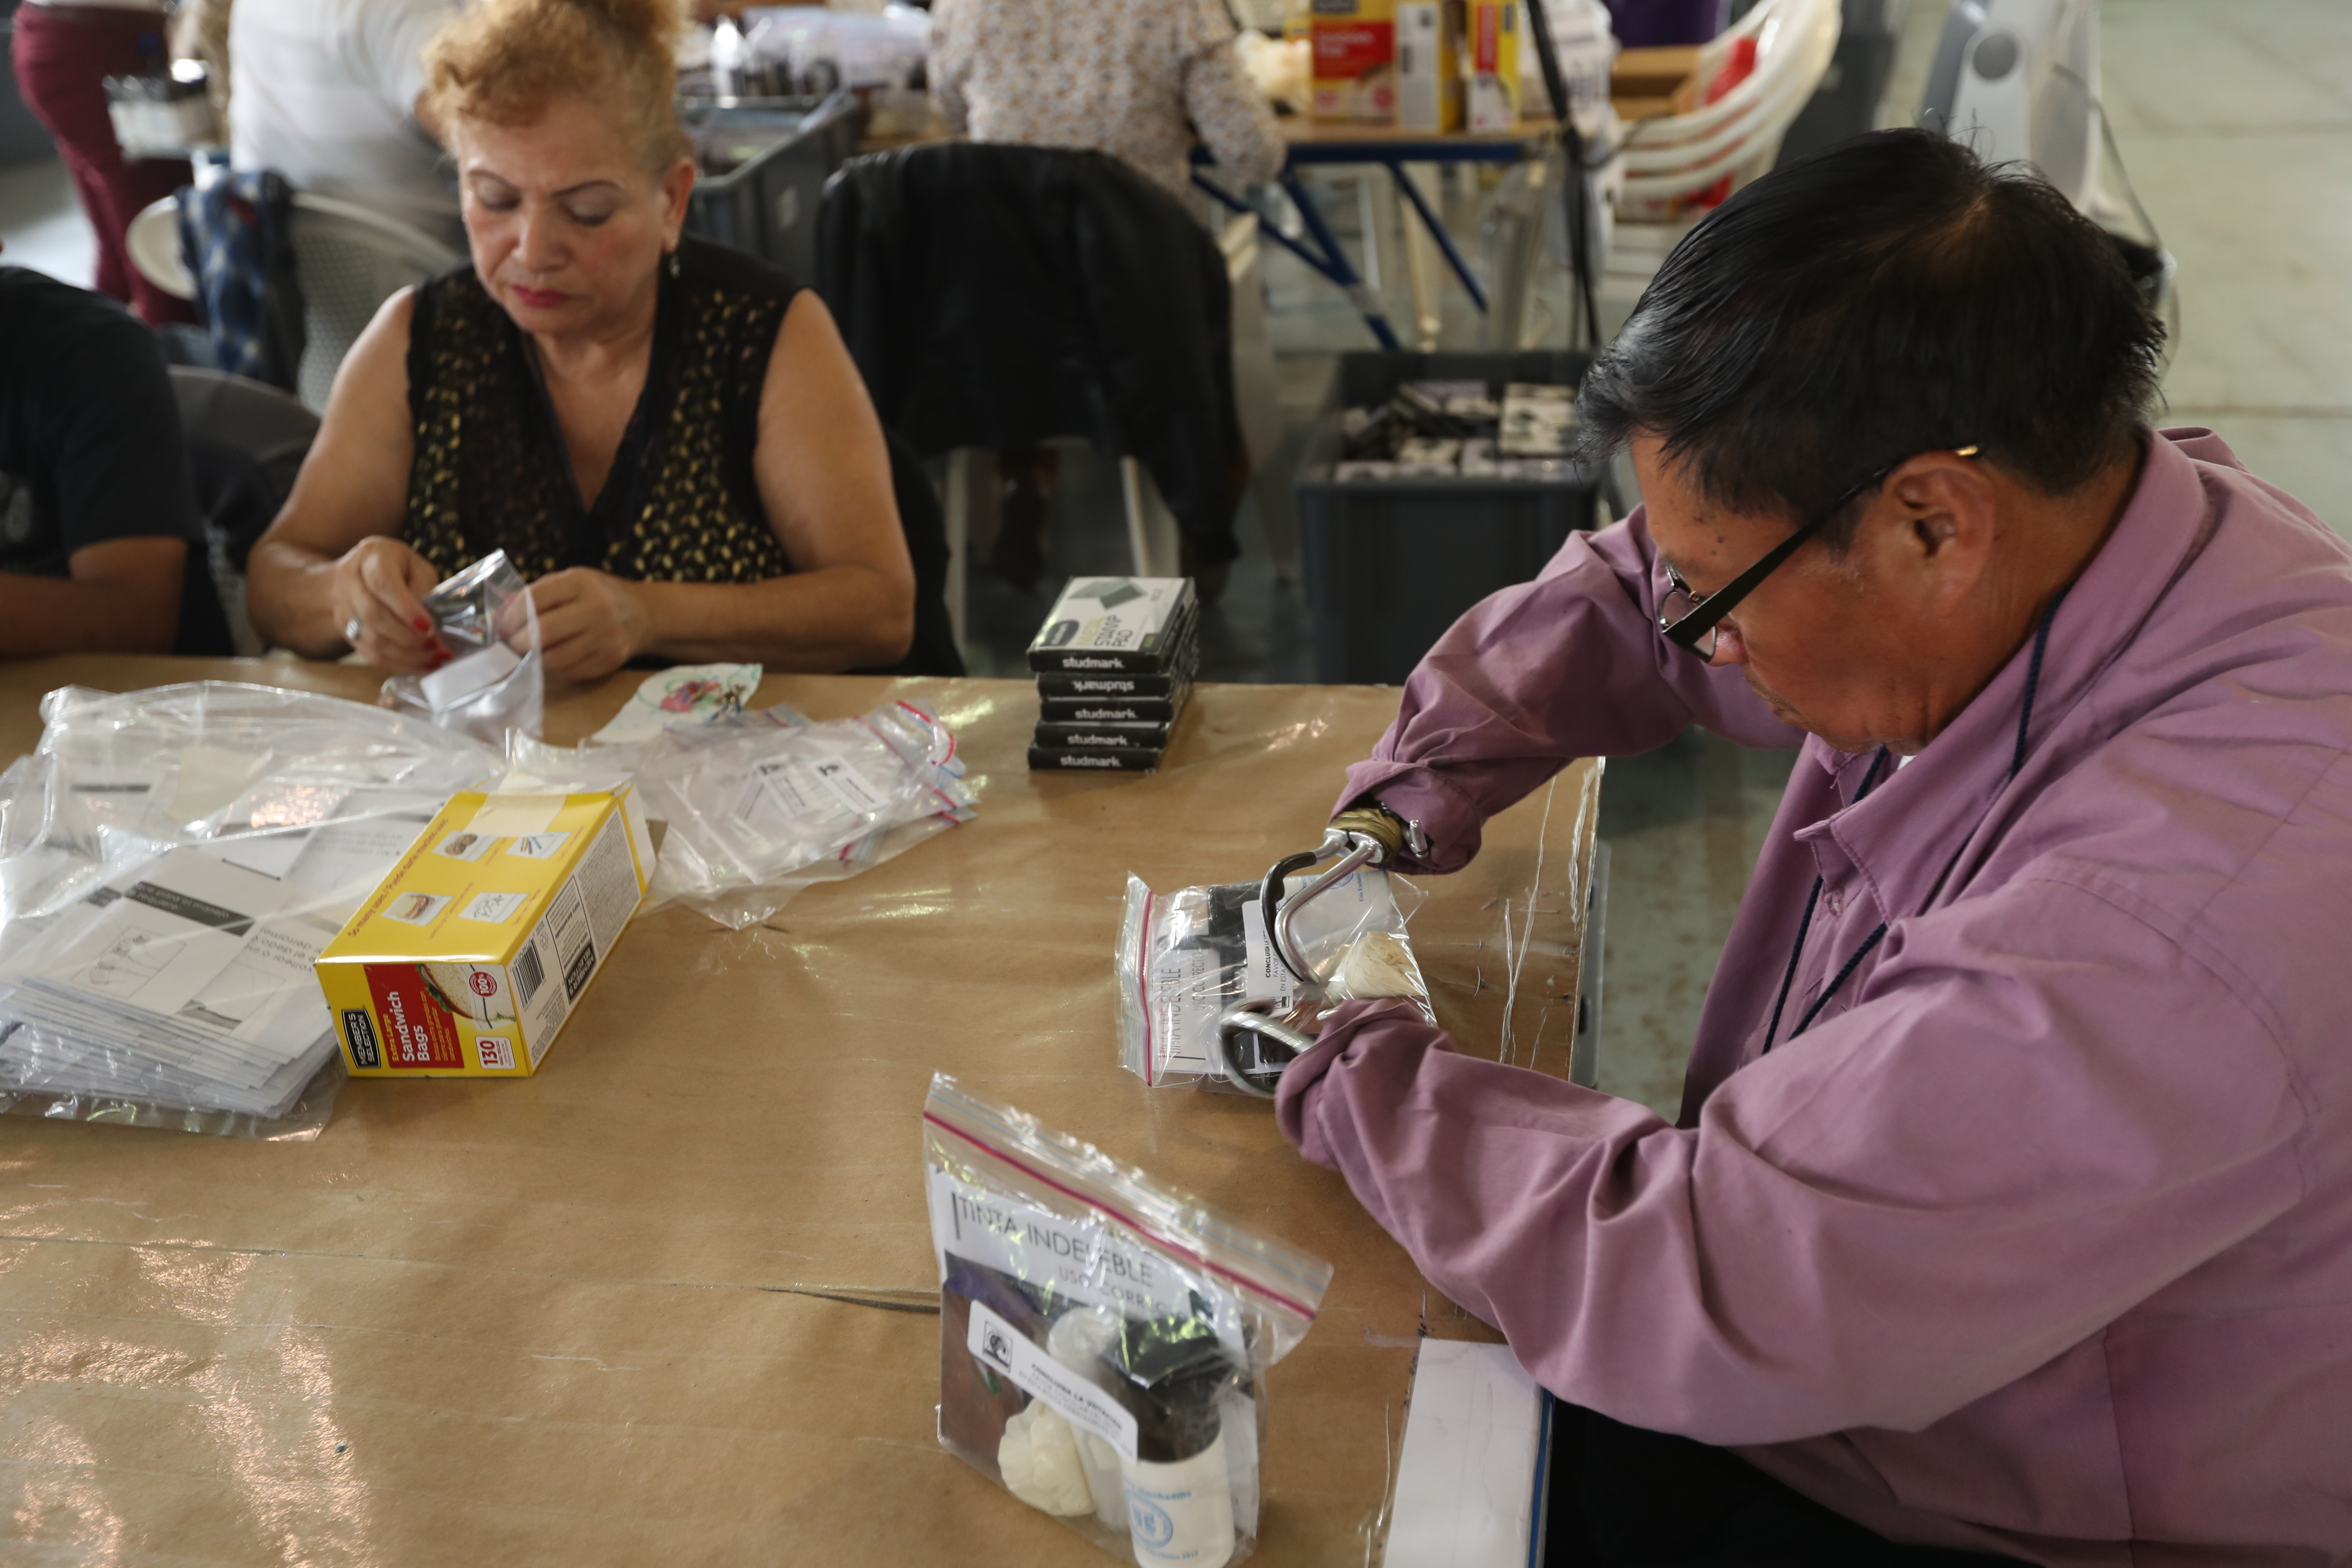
(246, 444)
(934, 650)
(996, 297)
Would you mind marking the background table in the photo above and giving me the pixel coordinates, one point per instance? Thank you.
(672, 1299)
(1327, 144)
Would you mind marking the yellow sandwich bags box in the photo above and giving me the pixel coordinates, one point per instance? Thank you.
(1492, 65)
(1355, 59)
(469, 957)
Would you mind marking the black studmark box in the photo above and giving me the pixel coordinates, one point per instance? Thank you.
(1101, 625)
(1049, 759)
(1145, 709)
(1100, 737)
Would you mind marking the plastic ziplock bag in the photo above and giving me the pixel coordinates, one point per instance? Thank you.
(172, 861)
(1104, 1340)
(761, 806)
(1184, 957)
(486, 687)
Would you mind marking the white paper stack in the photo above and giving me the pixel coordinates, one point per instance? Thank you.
(189, 981)
(175, 862)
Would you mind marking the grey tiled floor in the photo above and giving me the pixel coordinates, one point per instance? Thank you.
(40, 225)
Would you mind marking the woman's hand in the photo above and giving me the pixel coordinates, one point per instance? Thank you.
(590, 623)
(377, 589)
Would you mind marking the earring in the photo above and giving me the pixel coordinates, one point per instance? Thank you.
(673, 263)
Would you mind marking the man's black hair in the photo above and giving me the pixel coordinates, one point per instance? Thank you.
(1887, 296)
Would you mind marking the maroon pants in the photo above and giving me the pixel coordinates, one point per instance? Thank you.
(62, 54)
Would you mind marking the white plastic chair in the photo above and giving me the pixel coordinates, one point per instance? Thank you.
(153, 241)
(1670, 160)
(349, 261)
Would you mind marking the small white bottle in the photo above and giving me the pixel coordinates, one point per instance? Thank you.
(1170, 1373)
(1179, 1512)
(1078, 1340)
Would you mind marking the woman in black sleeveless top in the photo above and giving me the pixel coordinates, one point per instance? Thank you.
(666, 437)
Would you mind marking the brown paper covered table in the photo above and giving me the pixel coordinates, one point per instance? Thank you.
(672, 1299)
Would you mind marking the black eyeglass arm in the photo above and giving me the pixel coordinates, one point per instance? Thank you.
(1685, 633)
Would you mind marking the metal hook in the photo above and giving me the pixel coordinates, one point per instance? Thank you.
(1277, 912)
(1255, 1017)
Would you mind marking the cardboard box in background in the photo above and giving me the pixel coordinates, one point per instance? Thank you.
(1646, 83)
(1429, 64)
(1493, 64)
(469, 957)
(1355, 59)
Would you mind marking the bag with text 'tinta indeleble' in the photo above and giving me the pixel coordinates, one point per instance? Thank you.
(1104, 1339)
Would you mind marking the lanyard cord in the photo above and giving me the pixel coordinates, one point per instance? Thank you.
(2016, 765)
(1789, 978)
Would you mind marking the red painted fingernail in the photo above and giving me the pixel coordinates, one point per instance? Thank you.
(424, 626)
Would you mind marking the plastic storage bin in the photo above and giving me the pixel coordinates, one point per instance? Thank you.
(777, 153)
(1391, 564)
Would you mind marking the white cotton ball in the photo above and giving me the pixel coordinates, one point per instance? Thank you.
(1039, 1460)
(1378, 965)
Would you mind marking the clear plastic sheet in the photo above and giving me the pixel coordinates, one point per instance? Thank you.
(302, 1121)
(1104, 1339)
(1184, 957)
(760, 806)
(496, 680)
(171, 863)
(757, 1277)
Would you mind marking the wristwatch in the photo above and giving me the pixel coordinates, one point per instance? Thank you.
(1395, 834)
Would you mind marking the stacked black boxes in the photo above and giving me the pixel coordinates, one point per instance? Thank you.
(1114, 661)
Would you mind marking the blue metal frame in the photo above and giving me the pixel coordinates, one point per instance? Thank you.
(1327, 258)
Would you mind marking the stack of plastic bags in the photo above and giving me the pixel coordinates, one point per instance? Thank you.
(751, 807)
(172, 862)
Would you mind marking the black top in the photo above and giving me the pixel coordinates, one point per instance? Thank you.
(681, 502)
(90, 447)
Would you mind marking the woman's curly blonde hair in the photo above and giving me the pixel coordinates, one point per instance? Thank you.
(501, 62)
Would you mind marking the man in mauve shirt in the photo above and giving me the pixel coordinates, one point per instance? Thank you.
(2009, 1215)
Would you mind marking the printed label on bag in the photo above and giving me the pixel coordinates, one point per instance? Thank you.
(998, 1344)
(1185, 999)
(1266, 978)
(848, 786)
(1090, 1261)
(779, 793)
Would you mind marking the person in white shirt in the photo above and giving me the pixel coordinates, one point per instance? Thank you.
(1142, 79)
(328, 94)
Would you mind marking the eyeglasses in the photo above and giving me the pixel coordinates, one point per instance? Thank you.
(1688, 620)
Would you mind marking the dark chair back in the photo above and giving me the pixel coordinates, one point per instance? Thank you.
(246, 443)
(934, 650)
(996, 297)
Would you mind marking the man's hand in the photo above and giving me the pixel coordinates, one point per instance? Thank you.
(590, 623)
(380, 583)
